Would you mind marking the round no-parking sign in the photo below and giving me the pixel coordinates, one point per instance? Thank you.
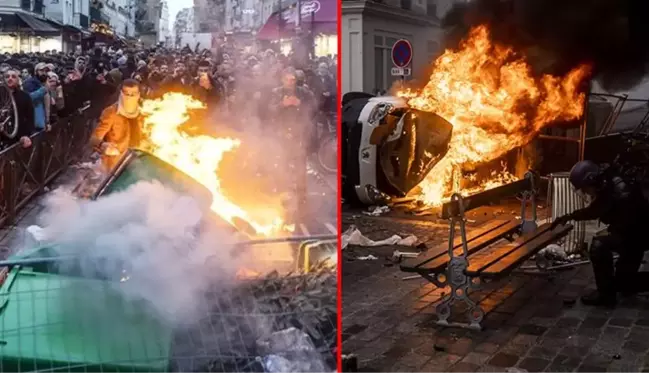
(401, 53)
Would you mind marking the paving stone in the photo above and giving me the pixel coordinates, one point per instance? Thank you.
(532, 329)
(478, 358)
(620, 322)
(636, 346)
(487, 347)
(440, 363)
(533, 364)
(568, 322)
(563, 363)
(490, 368)
(543, 352)
(460, 347)
(414, 360)
(591, 368)
(464, 367)
(503, 360)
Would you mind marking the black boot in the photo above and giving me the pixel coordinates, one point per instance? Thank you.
(599, 300)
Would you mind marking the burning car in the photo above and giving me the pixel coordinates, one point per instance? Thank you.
(388, 147)
(453, 134)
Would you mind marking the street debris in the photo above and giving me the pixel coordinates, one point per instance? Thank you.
(367, 257)
(515, 370)
(289, 350)
(401, 254)
(352, 236)
(376, 196)
(554, 250)
(407, 278)
(377, 210)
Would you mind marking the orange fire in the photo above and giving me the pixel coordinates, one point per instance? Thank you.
(199, 157)
(495, 104)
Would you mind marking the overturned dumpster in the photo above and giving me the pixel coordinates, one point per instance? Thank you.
(87, 310)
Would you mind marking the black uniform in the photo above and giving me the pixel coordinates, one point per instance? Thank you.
(626, 212)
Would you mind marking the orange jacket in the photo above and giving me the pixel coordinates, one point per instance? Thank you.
(124, 133)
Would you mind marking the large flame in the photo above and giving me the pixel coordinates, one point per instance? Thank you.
(198, 156)
(495, 104)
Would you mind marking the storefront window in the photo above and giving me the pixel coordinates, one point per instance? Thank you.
(285, 46)
(326, 45)
(7, 44)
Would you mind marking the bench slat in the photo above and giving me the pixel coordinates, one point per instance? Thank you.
(515, 259)
(486, 197)
(501, 259)
(440, 263)
(412, 264)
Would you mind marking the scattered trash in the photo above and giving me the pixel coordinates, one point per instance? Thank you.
(352, 236)
(377, 210)
(515, 370)
(368, 257)
(289, 350)
(34, 236)
(350, 363)
(617, 357)
(470, 221)
(407, 278)
(397, 255)
(376, 196)
(554, 251)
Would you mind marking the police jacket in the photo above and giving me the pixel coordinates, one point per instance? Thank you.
(622, 207)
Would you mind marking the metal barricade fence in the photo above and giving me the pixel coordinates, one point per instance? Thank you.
(565, 200)
(64, 313)
(25, 172)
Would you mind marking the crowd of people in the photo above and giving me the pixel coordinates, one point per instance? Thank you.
(49, 85)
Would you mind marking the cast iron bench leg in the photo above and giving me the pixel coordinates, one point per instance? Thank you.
(461, 286)
(456, 278)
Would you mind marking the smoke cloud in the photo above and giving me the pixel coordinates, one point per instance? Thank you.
(558, 35)
(150, 238)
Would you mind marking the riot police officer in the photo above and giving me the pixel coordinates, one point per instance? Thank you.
(626, 211)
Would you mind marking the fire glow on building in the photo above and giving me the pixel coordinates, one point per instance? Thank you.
(495, 104)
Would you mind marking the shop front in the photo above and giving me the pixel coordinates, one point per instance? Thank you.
(22, 32)
(317, 22)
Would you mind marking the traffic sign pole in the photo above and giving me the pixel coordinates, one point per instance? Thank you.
(401, 58)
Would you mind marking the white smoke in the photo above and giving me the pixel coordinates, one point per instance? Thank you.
(150, 238)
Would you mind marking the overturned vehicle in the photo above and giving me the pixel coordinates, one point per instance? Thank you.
(388, 148)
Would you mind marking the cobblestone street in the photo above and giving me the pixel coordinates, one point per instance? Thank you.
(533, 322)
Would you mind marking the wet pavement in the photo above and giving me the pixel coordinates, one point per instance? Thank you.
(533, 323)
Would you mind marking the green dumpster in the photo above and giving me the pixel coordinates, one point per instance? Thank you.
(51, 322)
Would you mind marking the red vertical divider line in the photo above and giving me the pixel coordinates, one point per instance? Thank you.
(339, 349)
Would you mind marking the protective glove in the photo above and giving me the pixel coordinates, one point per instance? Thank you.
(561, 220)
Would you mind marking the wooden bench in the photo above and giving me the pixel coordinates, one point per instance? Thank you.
(489, 252)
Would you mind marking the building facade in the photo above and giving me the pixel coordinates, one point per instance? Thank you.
(164, 32)
(121, 16)
(41, 25)
(184, 23)
(209, 16)
(370, 29)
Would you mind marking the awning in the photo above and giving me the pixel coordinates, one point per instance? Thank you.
(70, 28)
(317, 17)
(273, 29)
(38, 26)
(9, 22)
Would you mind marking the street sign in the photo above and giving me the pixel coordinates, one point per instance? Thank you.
(401, 71)
(401, 53)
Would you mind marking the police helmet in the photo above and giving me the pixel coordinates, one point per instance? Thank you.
(584, 174)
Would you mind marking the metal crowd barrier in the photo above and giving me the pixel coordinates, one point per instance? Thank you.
(564, 201)
(25, 172)
(326, 248)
